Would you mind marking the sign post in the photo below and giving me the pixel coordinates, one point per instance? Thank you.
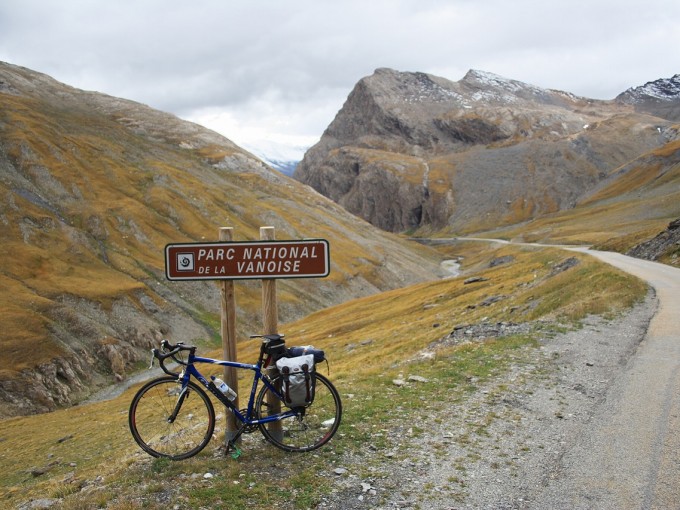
(270, 324)
(228, 333)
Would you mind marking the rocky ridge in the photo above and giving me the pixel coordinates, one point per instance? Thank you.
(414, 151)
(659, 97)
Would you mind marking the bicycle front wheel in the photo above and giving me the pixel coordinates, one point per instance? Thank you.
(311, 427)
(168, 422)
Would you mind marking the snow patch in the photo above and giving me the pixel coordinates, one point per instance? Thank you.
(662, 90)
(496, 88)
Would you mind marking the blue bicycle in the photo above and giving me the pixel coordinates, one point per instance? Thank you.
(173, 417)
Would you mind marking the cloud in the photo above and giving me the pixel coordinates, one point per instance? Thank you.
(273, 69)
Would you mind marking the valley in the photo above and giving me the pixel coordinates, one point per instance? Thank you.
(496, 385)
(418, 153)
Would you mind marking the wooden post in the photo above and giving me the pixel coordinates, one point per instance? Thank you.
(270, 322)
(228, 331)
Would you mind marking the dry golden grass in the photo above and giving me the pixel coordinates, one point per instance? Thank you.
(134, 194)
(441, 178)
(385, 329)
(638, 200)
(24, 318)
(668, 150)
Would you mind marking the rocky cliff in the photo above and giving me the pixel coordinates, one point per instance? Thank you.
(411, 151)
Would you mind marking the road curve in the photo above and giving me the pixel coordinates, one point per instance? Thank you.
(629, 458)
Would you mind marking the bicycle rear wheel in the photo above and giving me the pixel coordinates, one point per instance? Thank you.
(310, 428)
(157, 433)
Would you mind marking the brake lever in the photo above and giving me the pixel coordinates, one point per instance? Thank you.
(153, 356)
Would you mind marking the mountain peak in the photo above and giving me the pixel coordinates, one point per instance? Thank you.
(499, 89)
(664, 89)
(479, 77)
(659, 97)
(410, 150)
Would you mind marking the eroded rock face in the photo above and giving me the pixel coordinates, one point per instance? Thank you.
(411, 150)
(45, 388)
(83, 363)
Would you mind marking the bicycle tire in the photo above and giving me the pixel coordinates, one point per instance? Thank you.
(187, 435)
(310, 428)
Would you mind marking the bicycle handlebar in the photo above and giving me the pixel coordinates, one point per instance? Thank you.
(173, 350)
(275, 336)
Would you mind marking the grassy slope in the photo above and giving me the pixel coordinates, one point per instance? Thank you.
(367, 341)
(634, 205)
(93, 189)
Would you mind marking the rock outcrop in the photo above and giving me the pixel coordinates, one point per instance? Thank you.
(664, 247)
(659, 97)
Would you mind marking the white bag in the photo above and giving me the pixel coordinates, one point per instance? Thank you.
(298, 380)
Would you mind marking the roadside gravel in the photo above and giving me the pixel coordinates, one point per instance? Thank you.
(508, 444)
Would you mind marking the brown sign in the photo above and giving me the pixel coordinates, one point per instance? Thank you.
(255, 259)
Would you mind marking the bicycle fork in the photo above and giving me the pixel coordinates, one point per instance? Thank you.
(180, 400)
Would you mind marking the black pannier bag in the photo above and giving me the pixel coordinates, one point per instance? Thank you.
(297, 380)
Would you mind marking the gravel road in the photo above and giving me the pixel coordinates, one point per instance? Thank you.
(590, 420)
(629, 456)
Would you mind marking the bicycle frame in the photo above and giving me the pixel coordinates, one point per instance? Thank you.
(191, 371)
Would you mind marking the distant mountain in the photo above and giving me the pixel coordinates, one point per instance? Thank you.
(281, 157)
(663, 90)
(285, 167)
(419, 153)
(659, 97)
(93, 187)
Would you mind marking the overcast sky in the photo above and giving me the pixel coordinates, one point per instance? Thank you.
(278, 71)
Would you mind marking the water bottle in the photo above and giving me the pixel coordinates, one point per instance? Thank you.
(223, 387)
